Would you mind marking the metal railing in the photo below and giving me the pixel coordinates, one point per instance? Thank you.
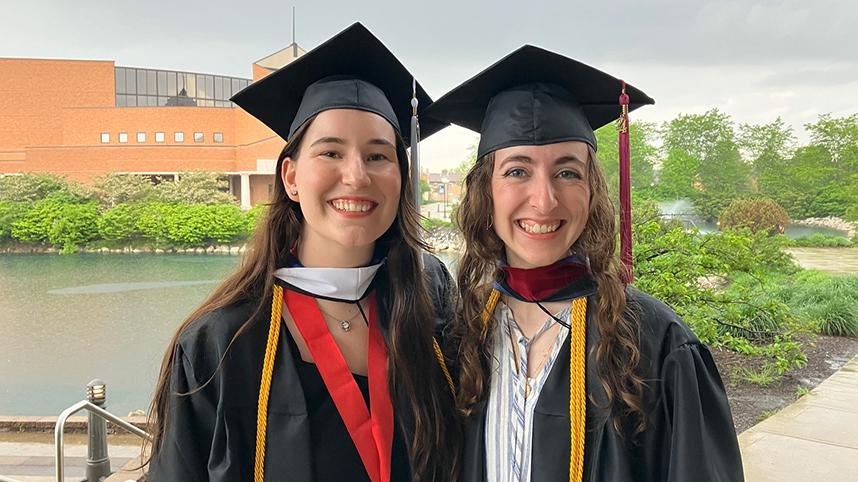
(7, 479)
(94, 409)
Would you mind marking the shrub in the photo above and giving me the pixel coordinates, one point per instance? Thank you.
(113, 189)
(196, 187)
(10, 213)
(58, 223)
(153, 223)
(120, 223)
(756, 214)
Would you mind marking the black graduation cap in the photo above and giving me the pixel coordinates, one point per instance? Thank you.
(352, 70)
(535, 97)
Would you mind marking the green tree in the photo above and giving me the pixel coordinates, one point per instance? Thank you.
(767, 145)
(678, 178)
(642, 156)
(52, 221)
(113, 189)
(196, 187)
(31, 186)
(840, 137)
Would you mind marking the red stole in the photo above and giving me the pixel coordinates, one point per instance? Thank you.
(372, 435)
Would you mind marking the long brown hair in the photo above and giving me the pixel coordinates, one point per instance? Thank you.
(618, 353)
(436, 434)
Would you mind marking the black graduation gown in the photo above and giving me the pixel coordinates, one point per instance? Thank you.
(211, 433)
(690, 437)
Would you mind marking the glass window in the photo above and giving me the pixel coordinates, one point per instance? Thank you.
(162, 83)
(152, 80)
(181, 83)
(120, 101)
(162, 101)
(179, 137)
(159, 137)
(141, 81)
(105, 138)
(218, 87)
(218, 137)
(123, 137)
(130, 81)
(171, 83)
(141, 137)
(141, 101)
(201, 86)
(120, 80)
(198, 137)
(236, 85)
(209, 87)
(220, 103)
(131, 100)
(152, 101)
(191, 85)
(227, 89)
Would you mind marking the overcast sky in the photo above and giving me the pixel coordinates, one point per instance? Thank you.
(754, 60)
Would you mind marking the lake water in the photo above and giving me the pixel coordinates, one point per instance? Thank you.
(65, 320)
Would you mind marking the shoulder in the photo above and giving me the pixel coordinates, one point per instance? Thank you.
(439, 282)
(436, 272)
(661, 328)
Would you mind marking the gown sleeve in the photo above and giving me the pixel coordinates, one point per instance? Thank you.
(703, 444)
(184, 451)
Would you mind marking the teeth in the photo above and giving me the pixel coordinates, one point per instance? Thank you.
(351, 206)
(539, 228)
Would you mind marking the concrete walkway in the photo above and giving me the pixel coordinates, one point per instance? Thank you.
(34, 462)
(813, 440)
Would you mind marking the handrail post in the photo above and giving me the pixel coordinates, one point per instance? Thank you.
(97, 458)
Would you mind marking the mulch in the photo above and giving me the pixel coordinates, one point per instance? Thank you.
(752, 403)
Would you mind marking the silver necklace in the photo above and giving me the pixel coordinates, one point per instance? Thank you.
(345, 325)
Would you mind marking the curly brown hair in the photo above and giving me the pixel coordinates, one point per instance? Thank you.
(617, 354)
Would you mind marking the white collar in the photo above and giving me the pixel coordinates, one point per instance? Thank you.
(346, 284)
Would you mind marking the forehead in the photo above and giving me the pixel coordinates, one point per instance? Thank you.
(348, 123)
(549, 153)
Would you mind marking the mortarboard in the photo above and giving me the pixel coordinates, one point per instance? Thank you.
(535, 97)
(352, 70)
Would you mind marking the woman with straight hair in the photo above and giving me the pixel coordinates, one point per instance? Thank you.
(567, 374)
(315, 361)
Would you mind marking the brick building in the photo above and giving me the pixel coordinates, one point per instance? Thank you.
(441, 184)
(87, 118)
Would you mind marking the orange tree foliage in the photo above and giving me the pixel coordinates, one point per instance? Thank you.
(760, 214)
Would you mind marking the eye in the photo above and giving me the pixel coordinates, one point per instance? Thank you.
(568, 174)
(330, 154)
(377, 157)
(515, 172)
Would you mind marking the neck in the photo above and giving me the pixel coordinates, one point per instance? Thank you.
(529, 317)
(312, 255)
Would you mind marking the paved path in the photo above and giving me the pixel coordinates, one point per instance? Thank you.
(830, 260)
(813, 440)
(34, 462)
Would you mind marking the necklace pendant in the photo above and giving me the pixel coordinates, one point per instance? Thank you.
(346, 325)
(527, 389)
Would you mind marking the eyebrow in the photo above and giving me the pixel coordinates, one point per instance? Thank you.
(337, 140)
(528, 160)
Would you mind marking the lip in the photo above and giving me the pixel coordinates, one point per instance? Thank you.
(540, 236)
(356, 200)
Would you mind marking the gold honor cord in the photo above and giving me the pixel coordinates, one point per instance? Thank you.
(268, 370)
(577, 379)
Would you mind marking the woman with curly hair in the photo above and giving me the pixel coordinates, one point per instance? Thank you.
(566, 372)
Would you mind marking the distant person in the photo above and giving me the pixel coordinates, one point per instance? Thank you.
(314, 362)
(567, 374)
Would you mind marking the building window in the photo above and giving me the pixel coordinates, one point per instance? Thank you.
(198, 137)
(105, 138)
(159, 137)
(218, 136)
(179, 137)
(141, 137)
(123, 137)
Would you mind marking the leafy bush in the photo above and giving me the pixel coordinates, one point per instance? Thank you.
(251, 217)
(120, 223)
(31, 187)
(756, 214)
(819, 240)
(829, 301)
(153, 223)
(10, 213)
(58, 223)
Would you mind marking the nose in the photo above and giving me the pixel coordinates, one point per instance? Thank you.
(354, 171)
(542, 195)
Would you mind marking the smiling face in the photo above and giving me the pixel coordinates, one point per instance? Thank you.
(348, 184)
(541, 199)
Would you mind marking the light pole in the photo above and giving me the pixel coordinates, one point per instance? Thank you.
(445, 181)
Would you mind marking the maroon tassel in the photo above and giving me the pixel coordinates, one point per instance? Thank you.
(625, 190)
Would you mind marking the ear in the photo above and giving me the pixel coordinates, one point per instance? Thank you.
(287, 174)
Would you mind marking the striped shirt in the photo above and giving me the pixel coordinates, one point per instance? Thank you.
(509, 417)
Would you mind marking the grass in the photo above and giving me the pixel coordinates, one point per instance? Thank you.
(765, 376)
(768, 414)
